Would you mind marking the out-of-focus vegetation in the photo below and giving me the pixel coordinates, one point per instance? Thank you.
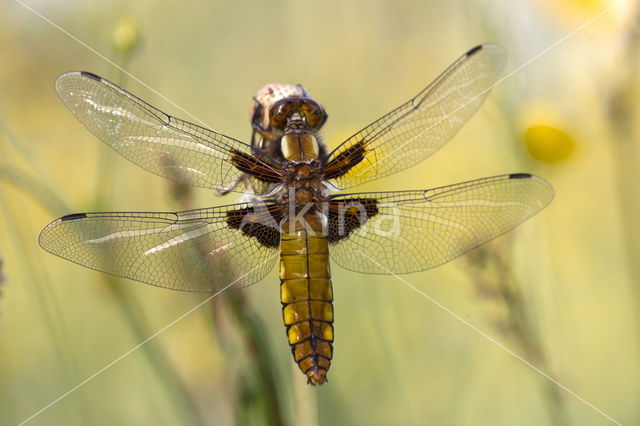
(562, 291)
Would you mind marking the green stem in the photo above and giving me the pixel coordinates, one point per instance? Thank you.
(305, 404)
(155, 354)
(49, 308)
(260, 353)
(35, 188)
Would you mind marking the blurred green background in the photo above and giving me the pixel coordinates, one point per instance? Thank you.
(562, 291)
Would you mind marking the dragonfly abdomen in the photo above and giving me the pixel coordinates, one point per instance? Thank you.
(306, 296)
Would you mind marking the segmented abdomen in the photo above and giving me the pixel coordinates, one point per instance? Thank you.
(306, 295)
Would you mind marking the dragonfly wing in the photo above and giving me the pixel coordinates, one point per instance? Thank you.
(197, 250)
(167, 146)
(409, 231)
(419, 127)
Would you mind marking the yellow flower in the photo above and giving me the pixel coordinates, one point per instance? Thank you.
(548, 144)
(575, 12)
(126, 35)
(585, 6)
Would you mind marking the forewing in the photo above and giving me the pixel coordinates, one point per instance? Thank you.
(164, 145)
(198, 250)
(410, 231)
(418, 128)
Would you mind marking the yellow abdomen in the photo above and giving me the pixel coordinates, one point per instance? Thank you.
(306, 296)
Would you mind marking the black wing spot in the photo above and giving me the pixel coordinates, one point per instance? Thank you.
(90, 75)
(520, 176)
(474, 50)
(255, 167)
(73, 216)
(346, 160)
(259, 223)
(345, 216)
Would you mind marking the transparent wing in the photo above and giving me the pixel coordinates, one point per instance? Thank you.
(164, 145)
(410, 231)
(198, 250)
(418, 128)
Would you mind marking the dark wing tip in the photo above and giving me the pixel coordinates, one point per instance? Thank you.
(62, 82)
(520, 176)
(475, 50)
(90, 75)
(73, 216)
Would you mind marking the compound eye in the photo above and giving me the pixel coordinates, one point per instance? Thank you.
(314, 114)
(279, 115)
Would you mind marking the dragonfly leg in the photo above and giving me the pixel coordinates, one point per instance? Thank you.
(225, 189)
(265, 135)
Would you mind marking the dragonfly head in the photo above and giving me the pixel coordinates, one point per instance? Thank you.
(269, 95)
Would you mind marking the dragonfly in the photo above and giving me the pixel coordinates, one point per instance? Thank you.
(295, 212)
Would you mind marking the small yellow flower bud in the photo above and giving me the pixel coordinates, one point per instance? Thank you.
(126, 35)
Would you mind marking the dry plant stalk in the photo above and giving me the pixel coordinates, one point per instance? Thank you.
(233, 307)
(623, 110)
(494, 280)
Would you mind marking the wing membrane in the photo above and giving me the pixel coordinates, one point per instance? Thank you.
(422, 125)
(164, 145)
(410, 231)
(195, 250)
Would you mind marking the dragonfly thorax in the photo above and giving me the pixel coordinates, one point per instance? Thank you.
(299, 147)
